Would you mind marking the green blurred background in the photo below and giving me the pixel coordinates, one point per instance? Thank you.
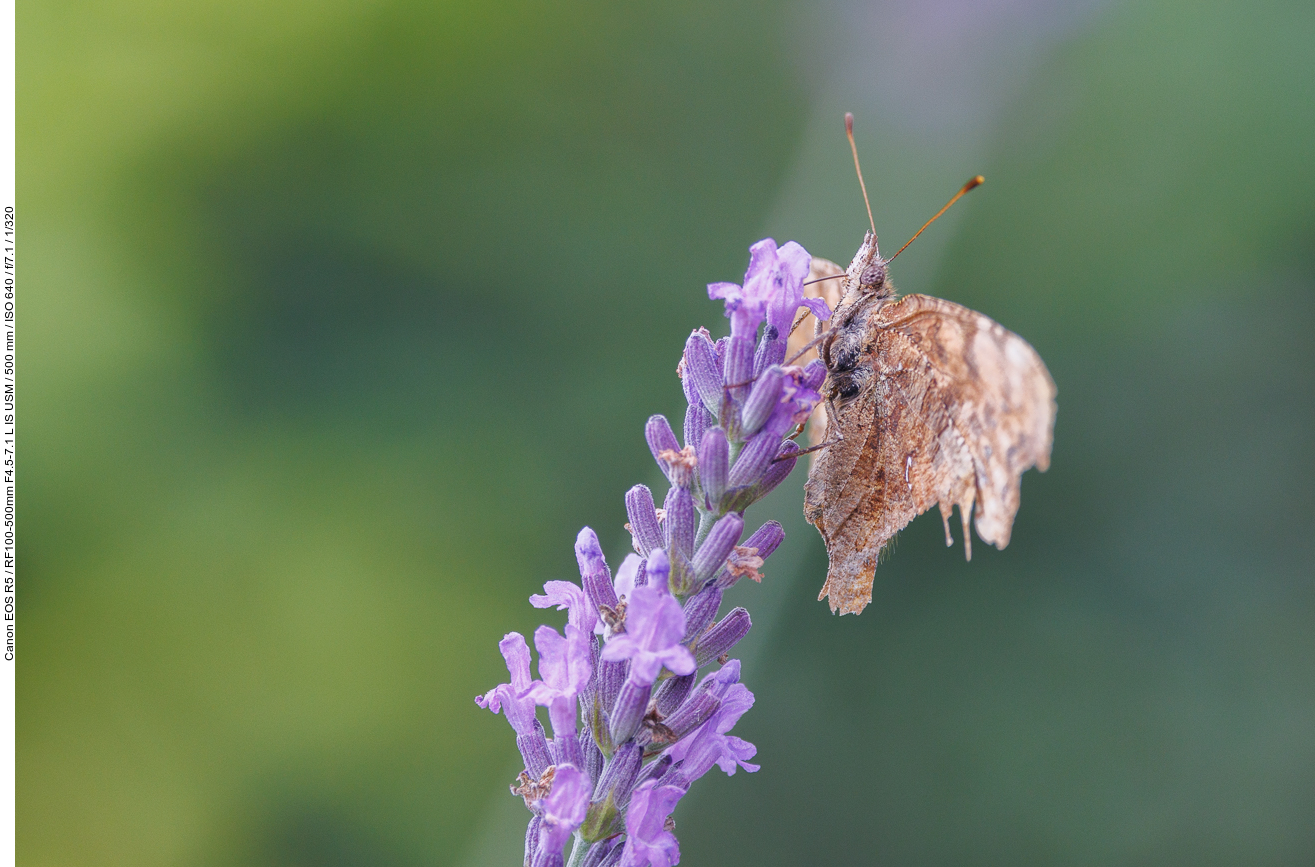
(340, 319)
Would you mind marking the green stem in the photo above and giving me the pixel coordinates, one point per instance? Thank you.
(578, 852)
(706, 520)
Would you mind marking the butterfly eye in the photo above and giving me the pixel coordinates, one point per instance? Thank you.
(874, 275)
(848, 384)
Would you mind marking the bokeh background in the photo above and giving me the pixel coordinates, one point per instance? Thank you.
(341, 318)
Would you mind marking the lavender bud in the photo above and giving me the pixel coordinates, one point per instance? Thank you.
(532, 838)
(566, 750)
(631, 703)
(754, 458)
(534, 750)
(739, 364)
(693, 713)
(771, 350)
(653, 771)
(766, 539)
(605, 853)
(610, 677)
(714, 465)
(594, 762)
(722, 637)
(545, 858)
(672, 693)
(620, 774)
(661, 441)
(717, 547)
(763, 398)
(779, 468)
(687, 382)
(703, 369)
(658, 433)
(594, 575)
(643, 523)
(681, 521)
(697, 422)
(700, 611)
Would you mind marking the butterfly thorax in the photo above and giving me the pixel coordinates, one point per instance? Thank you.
(866, 288)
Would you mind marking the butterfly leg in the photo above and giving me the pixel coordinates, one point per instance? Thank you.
(815, 448)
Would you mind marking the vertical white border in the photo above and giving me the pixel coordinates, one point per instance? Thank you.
(7, 576)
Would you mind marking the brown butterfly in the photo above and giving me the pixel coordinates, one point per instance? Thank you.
(926, 403)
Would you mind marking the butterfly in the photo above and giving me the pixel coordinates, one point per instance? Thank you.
(925, 403)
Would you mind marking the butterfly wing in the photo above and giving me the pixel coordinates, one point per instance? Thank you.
(957, 409)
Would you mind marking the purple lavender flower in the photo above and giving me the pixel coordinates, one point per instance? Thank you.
(564, 670)
(786, 296)
(572, 598)
(648, 840)
(563, 810)
(625, 665)
(773, 290)
(655, 624)
(655, 627)
(627, 577)
(510, 699)
(709, 744)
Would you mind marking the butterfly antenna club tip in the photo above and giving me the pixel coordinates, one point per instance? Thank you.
(973, 182)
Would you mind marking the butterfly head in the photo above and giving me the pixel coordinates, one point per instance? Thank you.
(867, 273)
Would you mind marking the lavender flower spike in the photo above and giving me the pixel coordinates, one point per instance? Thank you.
(625, 666)
(648, 841)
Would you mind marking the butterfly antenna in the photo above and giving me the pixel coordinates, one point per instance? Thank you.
(849, 131)
(966, 187)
